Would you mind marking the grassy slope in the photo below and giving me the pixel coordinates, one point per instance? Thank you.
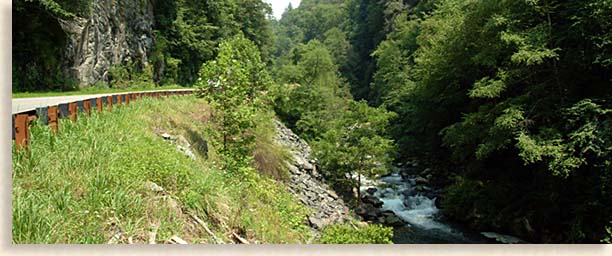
(87, 183)
(90, 90)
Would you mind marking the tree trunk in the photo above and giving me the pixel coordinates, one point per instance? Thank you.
(359, 187)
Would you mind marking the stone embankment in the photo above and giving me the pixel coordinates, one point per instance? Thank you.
(308, 184)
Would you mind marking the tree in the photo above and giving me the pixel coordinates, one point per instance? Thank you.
(338, 45)
(356, 146)
(234, 83)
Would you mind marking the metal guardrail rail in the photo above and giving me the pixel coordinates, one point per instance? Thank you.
(49, 115)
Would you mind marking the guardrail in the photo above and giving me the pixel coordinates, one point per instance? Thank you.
(49, 115)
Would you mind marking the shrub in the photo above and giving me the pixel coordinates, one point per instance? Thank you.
(345, 234)
(608, 238)
(269, 158)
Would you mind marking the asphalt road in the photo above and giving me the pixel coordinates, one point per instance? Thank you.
(28, 104)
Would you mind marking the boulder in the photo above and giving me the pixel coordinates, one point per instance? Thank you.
(393, 221)
(180, 140)
(371, 190)
(308, 166)
(293, 169)
(368, 212)
(438, 202)
(186, 151)
(154, 187)
(421, 180)
(387, 213)
(426, 171)
(409, 193)
(317, 222)
(504, 239)
(332, 194)
(430, 195)
(361, 211)
(372, 200)
(412, 182)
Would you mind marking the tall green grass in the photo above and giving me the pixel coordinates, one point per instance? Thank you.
(87, 182)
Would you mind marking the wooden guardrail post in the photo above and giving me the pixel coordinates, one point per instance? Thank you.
(73, 111)
(52, 115)
(22, 131)
(109, 102)
(119, 99)
(87, 107)
(99, 104)
(127, 99)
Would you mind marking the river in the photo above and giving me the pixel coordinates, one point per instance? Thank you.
(425, 224)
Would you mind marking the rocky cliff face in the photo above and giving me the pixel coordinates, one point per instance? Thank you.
(116, 32)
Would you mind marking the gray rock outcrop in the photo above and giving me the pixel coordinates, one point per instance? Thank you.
(116, 32)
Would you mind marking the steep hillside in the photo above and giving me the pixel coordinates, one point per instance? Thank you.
(145, 173)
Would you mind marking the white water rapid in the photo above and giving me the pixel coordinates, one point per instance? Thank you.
(417, 208)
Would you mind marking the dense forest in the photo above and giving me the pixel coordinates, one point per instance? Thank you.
(510, 101)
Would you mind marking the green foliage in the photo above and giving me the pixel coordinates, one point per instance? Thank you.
(131, 75)
(316, 97)
(477, 202)
(586, 140)
(345, 234)
(192, 30)
(355, 144)
(476, 83)
(337, 43)
(366, 29)
(348, 137)
(234, 84)
(62, 9)
(269, 158)
(608, 239)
